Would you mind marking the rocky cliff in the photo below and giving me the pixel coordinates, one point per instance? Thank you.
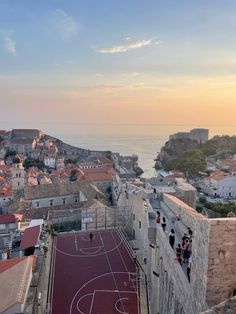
(173, 149)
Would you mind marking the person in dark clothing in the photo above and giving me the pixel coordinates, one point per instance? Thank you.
(172, 237)
(163, 224)
(179, 253)
(189, 271)
(158, 219)
(91, 236)
(190, 234)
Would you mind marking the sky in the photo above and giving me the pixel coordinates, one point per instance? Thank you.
(117, 62)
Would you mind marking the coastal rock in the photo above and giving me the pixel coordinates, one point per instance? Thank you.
(173, 149)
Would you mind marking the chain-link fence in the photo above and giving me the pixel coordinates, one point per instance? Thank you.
(92, 218)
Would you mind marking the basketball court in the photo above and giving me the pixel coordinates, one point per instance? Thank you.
(95, 276)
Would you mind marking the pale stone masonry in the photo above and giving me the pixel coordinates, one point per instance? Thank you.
(221, 273)
(213, 270)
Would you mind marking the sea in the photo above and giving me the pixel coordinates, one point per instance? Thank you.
(143, 140)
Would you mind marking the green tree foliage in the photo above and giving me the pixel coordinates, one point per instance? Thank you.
(225, 210)
(10, 153)
(71, 161)
(220, 145)
(191, 162)
(31, 162)
(170, 165)
(73, 175)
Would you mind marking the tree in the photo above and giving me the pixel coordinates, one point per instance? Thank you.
(192, 162)
(31, 162)
(73, 175)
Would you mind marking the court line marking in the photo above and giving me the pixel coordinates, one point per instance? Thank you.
(111, 291)
(116, 291)
(116, 305)
(135, 288)
(122, 258)
(113, 276)
(87, 240)
(99, 254)
(53, 274)
(88, 282)
(91, 305)
(120, 235)
(98, 249)
(76, 243)
(77, 304)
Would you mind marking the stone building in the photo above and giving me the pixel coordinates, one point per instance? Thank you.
(212, 278)
(18, 175)
(24, 146)
(200, 135)
(26, 133)
(61, 193)
(186, 192)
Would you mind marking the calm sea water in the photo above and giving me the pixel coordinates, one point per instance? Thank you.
(143, 140)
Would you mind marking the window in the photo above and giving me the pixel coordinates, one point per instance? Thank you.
(37, 204)
(19, 175)
(18, 183)
(64, 201)
(140, 224)
(76, 200)
(133, 216)
(51, 202)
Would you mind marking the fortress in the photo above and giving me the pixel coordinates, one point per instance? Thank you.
(199, 135)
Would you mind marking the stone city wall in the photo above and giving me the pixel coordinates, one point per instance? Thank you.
(221, 274)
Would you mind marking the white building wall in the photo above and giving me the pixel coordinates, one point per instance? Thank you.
(50, 162)
(227, 187)
(55, 201)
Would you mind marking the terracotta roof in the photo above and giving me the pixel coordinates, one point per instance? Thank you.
(104, 160)
(218, 175)
(96, 174)
(3, 132)
(7, 219)
(6, 190)
(5, 168)
(14, 282)
(30, 237)
(9, 263)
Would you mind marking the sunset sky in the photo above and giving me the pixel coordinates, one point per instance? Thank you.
(126, 61)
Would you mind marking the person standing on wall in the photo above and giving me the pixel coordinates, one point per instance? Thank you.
(172, 238)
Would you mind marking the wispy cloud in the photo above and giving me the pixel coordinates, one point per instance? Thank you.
(64, 24)
(131, 74)
(128, 46)
(9, 42)
(99, 75)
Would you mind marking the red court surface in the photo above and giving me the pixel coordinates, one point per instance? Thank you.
(93, 277)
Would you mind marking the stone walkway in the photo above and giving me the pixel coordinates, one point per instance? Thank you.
(171, 223)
